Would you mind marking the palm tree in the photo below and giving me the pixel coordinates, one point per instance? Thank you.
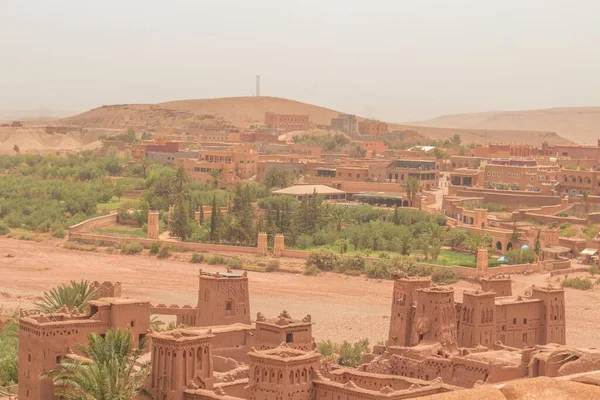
(216, 177)
(108, 372)
(342, 244)
(412, 186)
(478, 241)
(74, 295)
(180, 180)
(340, 215)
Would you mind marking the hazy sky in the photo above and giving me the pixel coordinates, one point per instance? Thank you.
(392, 59)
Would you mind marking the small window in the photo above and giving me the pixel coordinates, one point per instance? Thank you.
(58, 359)
(29, 357)
(514, 321)
(228, 306)
(524, 321)
(132, 324)
(289, 337)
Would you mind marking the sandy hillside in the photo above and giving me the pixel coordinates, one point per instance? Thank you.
(192, 114)
(578, 124)
(487, 136)
(244, 112)
(36, 140)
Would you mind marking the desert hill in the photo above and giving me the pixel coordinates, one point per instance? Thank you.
(486, 136)
(578, 124)
(244, 112)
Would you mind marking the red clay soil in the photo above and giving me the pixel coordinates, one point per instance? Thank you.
(342, 307)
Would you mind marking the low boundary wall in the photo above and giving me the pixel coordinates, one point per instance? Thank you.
(90, 238)
(90, 224)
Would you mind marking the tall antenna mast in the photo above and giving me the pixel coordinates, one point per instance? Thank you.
(257, 85)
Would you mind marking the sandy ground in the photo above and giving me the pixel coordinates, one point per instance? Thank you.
(342, 307)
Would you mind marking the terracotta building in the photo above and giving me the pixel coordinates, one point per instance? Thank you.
(235, 164)
(346, 123)
(287, 122)
(223, 299)
(44, 339)
(373, 128)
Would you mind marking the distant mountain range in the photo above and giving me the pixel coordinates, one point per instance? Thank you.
(578, 124)
(244, 112)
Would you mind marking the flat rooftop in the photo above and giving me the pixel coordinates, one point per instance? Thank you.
(299, 190)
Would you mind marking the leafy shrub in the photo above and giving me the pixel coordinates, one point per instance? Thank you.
(272, 265)
(577, 283)
(58, 233)
(79, 246)
(354, 265)
(323, 259)
(197, 258)
(594, 270)
(346, 354)
(164, 252)
(235, 263)
(519, 256)
(311, 270)
(4, 229)
(378, 270)
(155, 248)
(444, 276)
(131, 248)
(216, 260)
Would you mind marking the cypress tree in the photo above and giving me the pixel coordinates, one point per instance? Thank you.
(201, 209)
(214, 220)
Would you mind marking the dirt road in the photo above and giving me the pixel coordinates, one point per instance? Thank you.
(342, 307)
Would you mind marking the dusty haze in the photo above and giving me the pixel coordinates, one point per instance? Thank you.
(397, 61)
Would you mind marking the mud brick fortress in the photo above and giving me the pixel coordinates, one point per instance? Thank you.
(436, 344)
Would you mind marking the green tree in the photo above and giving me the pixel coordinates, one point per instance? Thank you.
(216, 179)
(585, 197)
(456, 140)
(515, 235)
(180, 180)
(180, 225)
(405, 240)
(458, 238)
(201, 211)
(342, 243)
(109, 371)
(412, 187)
(340, 216)
(214, 221)
(74, 295)
(9, 340)
(537, 245)
(279, 178)
(479, 241)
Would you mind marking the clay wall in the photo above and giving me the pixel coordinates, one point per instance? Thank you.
(518, 323)
(477, 320)
(435, 316)
(91, 238)
(325, 390)
(90, 224)
(185, 314)
(297, 336)
(402, 313)
(500, 286)
(512, 198)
